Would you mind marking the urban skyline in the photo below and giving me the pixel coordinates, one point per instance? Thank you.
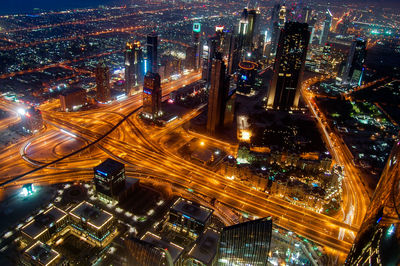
(200, 133)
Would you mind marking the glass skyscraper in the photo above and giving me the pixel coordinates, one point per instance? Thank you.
(378, 241)
(245, 243)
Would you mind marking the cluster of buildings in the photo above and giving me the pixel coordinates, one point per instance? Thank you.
(187, 234)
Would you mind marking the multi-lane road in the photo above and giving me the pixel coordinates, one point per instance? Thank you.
(142, 151)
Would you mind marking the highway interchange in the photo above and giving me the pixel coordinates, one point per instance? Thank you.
(140, 149)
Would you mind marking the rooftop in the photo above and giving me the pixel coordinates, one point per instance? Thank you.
(91, 214)
(42, 253)
(43, 221)
(206, 247)
(192, 210)
(109, 166)
(174, 250)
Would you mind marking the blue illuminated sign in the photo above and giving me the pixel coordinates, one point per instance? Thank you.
(101, 172)
(147, 91)
(187, 217)
(244, 77)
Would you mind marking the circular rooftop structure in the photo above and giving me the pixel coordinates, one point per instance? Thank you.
(248, 65)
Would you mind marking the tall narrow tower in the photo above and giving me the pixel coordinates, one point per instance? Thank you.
(152, 43)
(217, 95)
(355, 62)
(284, 92)
(133, 65)
(152, 95)
(326, 28)
(102, 73)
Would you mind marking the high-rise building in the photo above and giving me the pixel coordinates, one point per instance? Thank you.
(243, 29)
(284, 92)
(102, 72)
(245, 243)
(249, 30)
(152, 56)
(378, 241)
(209, 51)
(193, 51)
(133, 65)
(140, 252)
(219, 88)
(72, 99)
(152, 95)
(278, 19)
(354, 70)
(109, 179)
(196, 35)
(326, 26)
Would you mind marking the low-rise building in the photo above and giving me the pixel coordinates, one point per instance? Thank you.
(188, 217)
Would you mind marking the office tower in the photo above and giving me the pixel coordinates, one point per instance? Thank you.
(196, 35)
(152, 43)
(284, 92)
(323, 38)
(378, 241)
(243, 29)
(32, 120)
(140, 252)
(254, 28)
(73, 99)
(354, 67)
(102, 82)
(133, 65)
(279, 19)
(188, 217)
(245, 243)
(152, 95)
(218, 93)
(209, 51)
(109, 179)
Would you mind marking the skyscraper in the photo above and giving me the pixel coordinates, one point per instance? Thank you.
(140, 252)
(278, 18)
(326, 26)
(102, 73)
(152, 95)
(152, 43)
(196, 34)
(245, 243)
(354, 67)
(109, 179)
(284, 92)
(218, 94)
(378, 241)
(133, 65)
(243, 29)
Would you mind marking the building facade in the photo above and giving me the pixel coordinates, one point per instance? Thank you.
(284, 92)
(109, 179)
(152, 95)
(378, 240)
(354, 68)
(72, 99)
(218, 93)
(103, 93)
(152, 54)
(245, 243)
(133, 65)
